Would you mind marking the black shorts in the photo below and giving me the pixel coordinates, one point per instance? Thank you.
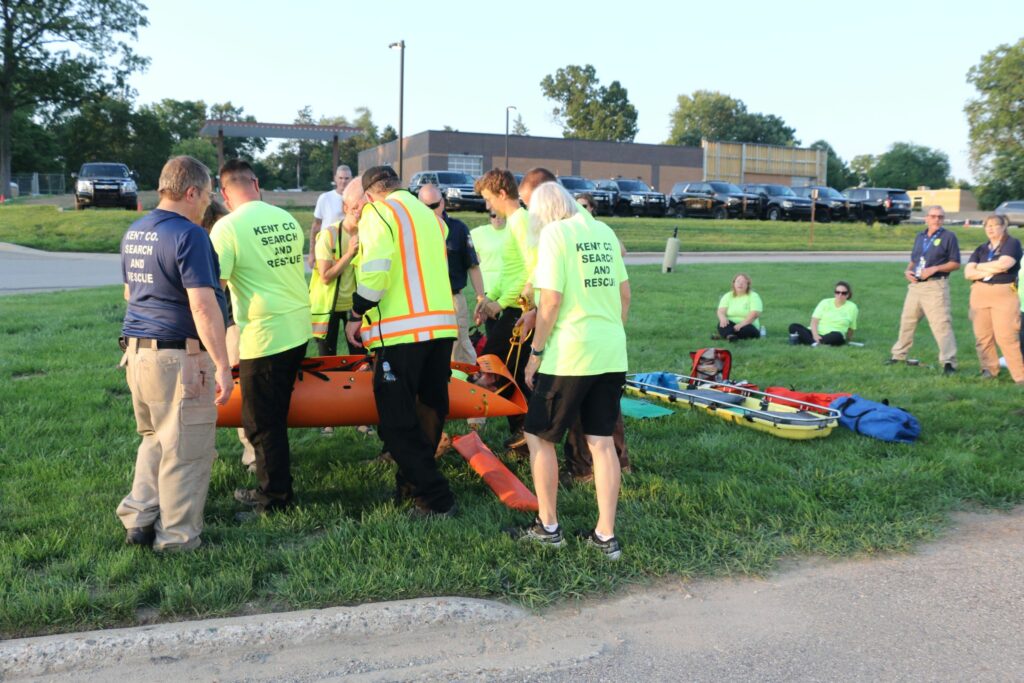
(557, 402)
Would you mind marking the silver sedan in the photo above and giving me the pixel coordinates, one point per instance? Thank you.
(1013, 210)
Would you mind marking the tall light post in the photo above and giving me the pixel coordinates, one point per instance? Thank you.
(508, 109)
(400, 46)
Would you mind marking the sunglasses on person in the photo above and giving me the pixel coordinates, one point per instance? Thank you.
(434, 205)
(843, 292)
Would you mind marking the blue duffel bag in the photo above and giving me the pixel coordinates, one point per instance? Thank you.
(877, 420)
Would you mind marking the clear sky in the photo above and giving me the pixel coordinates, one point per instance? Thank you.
(861, 75)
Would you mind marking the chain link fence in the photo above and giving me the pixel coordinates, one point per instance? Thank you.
(34, 184)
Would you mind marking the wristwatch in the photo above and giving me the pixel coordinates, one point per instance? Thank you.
(535, 352)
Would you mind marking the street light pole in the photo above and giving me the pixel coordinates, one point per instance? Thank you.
(400, 46)
(507, 110)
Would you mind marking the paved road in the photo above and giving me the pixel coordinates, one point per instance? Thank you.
(953, 611)
(25, 271)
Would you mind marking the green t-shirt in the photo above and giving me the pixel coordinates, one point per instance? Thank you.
(326, 251)
(832, 319)
(517, 261)
(260, 252)
(737, 308)
(489, 244)
(581, 259)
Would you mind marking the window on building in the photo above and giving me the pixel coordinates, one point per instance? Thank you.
(473, 164)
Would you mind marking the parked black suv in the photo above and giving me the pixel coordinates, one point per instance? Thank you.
(714, 199)
(831, 204)
(105, 184)
(779, 202)
(884, 204)
(633, 197)
(457, 188)
(577, 186)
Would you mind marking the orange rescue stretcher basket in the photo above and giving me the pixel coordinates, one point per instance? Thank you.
(336, 391)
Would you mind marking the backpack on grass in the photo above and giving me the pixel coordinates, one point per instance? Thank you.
(711, 364)
(877, 420)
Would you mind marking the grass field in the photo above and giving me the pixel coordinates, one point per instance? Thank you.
(706, 498)
(44, 227)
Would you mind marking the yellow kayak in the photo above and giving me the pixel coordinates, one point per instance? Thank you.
(749, 408)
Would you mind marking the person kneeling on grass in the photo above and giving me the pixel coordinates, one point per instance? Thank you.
(739, 311)
(577, 365)
(833, 321)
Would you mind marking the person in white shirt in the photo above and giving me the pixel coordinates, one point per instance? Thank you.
(329, 207)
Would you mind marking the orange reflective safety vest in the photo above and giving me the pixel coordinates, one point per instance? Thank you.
(403, 266)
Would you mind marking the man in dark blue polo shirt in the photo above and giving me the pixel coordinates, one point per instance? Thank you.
(177, 361)
(463, 265)
(936, 254)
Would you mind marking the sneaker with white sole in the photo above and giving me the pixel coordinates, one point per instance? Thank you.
(611, 548)
(536, 533)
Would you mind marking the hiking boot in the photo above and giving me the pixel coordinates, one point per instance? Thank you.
(140, 535)
(536, 533)
(948, 369)
(892, 361)
(515, 441)
(731, 337)
(611, 548)
(421, 511)
(251, 497)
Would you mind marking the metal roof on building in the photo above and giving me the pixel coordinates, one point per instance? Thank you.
(294, 131)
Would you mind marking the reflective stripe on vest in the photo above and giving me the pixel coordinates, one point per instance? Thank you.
(423, 326)
(420, 323)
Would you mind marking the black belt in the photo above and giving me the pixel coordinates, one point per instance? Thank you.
(165, 344)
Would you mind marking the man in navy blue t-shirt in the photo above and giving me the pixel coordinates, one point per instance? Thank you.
(177, 362)
(935, 255)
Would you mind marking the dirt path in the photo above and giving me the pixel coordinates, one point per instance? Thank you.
(954, 610)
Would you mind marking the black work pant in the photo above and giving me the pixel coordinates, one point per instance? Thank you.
(267, 385)
(745, 332)
(328, 346)
(499, 343)
(804, 336)
(578, 460)
(411, 394)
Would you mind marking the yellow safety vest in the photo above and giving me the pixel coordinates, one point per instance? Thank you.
(322, 298)
(403, 265)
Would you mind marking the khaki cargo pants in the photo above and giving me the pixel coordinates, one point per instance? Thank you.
(172, 394)
(930, 299)
(995, 315)
(462, 351)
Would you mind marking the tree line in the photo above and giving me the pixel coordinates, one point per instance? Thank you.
(61, 106)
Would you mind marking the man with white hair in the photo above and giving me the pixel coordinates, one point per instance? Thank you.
(463, 265)
(329, 207)
(577, 365)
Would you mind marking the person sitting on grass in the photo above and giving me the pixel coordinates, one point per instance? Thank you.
(739, 311)
(833, 321)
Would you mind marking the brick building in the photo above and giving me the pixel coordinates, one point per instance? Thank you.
(659, 165)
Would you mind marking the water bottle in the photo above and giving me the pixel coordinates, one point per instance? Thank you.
(764, 331)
